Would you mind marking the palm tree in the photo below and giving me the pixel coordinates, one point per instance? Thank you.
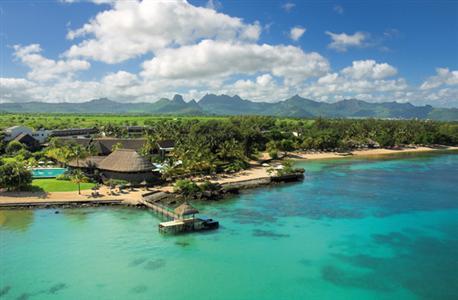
(78, 177)
(76, 152)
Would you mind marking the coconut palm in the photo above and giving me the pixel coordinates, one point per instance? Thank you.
(76, 152)
(78, 177)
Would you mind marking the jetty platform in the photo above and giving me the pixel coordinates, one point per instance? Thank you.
(181, 219)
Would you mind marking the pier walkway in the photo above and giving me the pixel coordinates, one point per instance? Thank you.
(160, 209)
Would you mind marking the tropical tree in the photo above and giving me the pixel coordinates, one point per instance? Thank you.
(77, 153)
(14, 176)
(2, 142)
(78, 177)
(13, 147)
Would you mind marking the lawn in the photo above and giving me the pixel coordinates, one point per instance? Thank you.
(54, 185)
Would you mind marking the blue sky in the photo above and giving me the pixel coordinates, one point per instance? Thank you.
(72, 50)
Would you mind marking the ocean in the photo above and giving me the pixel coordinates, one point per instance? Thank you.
(356, 228)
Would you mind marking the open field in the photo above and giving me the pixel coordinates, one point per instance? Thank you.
(54, 185)
(58, 121)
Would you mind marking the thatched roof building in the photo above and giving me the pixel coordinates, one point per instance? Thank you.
(104, 146)
(89, 162)
(125, 160)
(185, 209)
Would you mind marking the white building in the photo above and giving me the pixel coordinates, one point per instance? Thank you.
(40, 135)
(12, 132)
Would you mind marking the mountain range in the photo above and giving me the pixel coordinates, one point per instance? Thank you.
(211, 104)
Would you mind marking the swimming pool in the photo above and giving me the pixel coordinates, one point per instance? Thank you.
(47, 172)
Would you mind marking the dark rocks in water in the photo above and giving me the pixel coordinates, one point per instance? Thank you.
(23, 296)
(139, 289)
(56, 212)
(268, 233)
(5, 290)
(155, 264)
(305, 262)
(182, 243)
(57, 287)
(137, 261)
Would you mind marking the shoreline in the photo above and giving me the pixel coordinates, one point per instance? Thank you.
(366, 153)
(253, 177)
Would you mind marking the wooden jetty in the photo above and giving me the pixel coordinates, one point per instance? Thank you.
(181, 219)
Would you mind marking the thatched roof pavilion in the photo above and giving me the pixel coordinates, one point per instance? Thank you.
(185, 209)
(125, 161)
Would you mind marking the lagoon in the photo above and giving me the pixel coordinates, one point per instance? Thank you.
(353, 229)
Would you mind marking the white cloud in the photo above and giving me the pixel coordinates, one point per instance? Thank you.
(296, 33)
(222, 59)
(120, 79)
(263, 88)
(288, 6)
(196, 50)
(342, 41)
(364, 80)
(213, 4)
(14, 89)
(443, 77)
(338, 9)
(134, 28)
(42, 68)
(369, 69)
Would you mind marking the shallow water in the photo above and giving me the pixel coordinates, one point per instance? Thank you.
(353, 229)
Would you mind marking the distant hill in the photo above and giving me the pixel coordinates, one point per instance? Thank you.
(211, 104)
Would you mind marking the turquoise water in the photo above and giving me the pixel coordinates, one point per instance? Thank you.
(47, 172)
(354, 229)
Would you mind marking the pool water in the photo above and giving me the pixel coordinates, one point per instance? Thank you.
(47, 172)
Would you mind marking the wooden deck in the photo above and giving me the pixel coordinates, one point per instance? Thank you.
(160, 209)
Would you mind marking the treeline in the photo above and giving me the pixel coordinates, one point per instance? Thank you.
(227, 145)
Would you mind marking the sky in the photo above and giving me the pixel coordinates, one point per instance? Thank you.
(141, 51)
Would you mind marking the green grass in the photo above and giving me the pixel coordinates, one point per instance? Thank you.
(54, 185)
(55, 121)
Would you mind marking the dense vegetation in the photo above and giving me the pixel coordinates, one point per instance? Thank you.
(227, 145)
(211, 145)
(101, 121)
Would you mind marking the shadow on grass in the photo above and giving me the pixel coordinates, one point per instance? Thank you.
(31, 191)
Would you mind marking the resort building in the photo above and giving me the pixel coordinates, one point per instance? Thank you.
(30, 142)
(14, 131)
(74, 132)
(165, 147)
(128, 165)
(105, 146)
(40, 135)
(135, 130)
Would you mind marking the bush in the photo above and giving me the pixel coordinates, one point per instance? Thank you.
(209, 186)
(64, 176)
(235, 166)
(186, 187)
